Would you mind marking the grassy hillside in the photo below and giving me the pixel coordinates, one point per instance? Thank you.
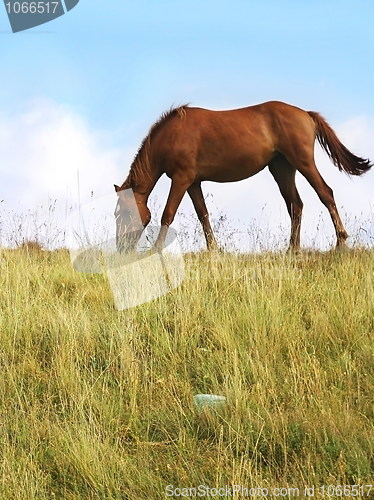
(98, 403)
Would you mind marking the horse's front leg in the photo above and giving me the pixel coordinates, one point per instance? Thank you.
(179, 186)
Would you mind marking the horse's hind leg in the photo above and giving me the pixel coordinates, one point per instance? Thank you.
(198, 201)
(284, 175)
(310, 172)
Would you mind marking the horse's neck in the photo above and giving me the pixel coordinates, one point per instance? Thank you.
(141, 184)
(127, 184)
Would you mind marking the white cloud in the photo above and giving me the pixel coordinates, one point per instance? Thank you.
(42, 151)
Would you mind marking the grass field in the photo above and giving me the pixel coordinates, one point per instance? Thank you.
(98, 403)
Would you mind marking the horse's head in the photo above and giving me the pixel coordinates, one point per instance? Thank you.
(132, 216)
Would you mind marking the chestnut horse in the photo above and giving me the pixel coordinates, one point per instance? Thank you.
(192, 145)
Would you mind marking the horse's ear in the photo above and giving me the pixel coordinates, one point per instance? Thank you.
(117, 188)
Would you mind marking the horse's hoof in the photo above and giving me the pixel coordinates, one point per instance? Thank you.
(294, 251)
(342, 248)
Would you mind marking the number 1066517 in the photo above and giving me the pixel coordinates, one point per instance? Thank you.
(352, 490)
(32, 7)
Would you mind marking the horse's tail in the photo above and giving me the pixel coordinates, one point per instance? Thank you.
(338, 153)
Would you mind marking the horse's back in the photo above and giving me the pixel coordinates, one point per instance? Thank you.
(228, 145)
(270, 114)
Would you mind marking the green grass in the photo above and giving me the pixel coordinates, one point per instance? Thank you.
(98, 403)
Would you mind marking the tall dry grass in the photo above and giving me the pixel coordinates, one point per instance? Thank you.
(98, 403)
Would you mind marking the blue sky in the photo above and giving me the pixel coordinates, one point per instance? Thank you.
(93, 81)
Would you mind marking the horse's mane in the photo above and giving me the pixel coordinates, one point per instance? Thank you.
(140, 165)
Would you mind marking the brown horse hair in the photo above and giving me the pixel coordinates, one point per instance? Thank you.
(140, 165)
(337, 152)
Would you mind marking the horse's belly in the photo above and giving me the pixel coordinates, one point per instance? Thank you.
(230, 161)
(230, 172)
